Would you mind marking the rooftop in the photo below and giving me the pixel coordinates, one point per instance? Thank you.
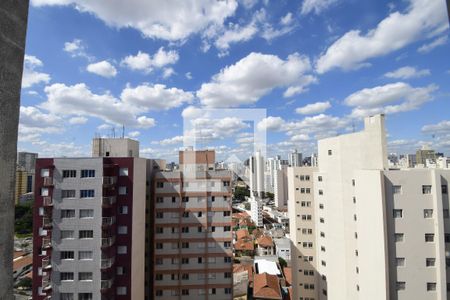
(266, 286)
(267, 265)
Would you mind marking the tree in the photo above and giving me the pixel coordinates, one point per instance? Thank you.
(270, 195)
(25, 283)
(23, 219)
(241, 192)
(282, 262)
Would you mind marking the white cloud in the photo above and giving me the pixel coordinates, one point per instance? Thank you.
(407, 73)
(155, 97)
(30, 76)
(315, 6)
(170, 141)
(188, 75)
(78, 100)
(388, 99)
(102, 68)
(170, 20)
(248, 3)
(313, 108)
(168, 72)
(78, 120)
(435, 43)
(423, 19)
(77, 48)
(287, 19)
(134, 134)
(235, 34)
(271, 123)
(320, 126)
(442, 127)
(252, 77)
(144, 62)
(300, 138)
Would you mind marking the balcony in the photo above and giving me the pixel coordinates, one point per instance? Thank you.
(46, 283)
(107, 263)
(108, 221)
(48, 181)
(47, 223)
(46, 263)
(108, 201)
(106, 284)
(109, 180)
(47, 201)
(108, 242)
(46, 242)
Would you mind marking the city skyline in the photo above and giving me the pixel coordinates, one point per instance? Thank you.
(100, 68)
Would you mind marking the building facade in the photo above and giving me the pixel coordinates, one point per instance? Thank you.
(89, 219)
(295, 159)
(192, 251)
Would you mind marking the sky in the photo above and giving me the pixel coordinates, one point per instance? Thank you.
(166, 71)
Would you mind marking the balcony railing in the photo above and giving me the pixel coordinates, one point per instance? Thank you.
(108, 242)
(46, 282)
(46, 242)
(46, 263)
(106, 284)
(107, 263)
(47, 222)
(108, 201)
(109, 180)
(48, 181)
(48, 201)
(108, 221)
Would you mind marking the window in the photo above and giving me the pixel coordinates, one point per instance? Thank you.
(226, 183)
(66, 296)
(227, 228)
(400, 261)
(159, 229)
(398, 213)
(227, 245)
(321, 206)
(319, 178)
(67, 213)
(320, 192)
(227, 259)
(67, 234)
(186, 214)
(68, 194)
(427, 213)
(159, 277)
(159, 200)
(123, 210)
(185, 245)
(330, 152)
(227, 291)
(185, 276)
(122, 190)
(69, 173)
(85, 255)
(426, 189)
(400, 285)
(121, 290)
(159, 245)
(353, 182)
(212, 291)
(444, 189)
(123, 172)
(122, 250)
(227, 275)
(398, 237)
(87, 173)
(430, 262)
(184, 260)
(302, 177)
(122, 230)
(159, 215)
(66, 276)
(159, 261)
(86, 213)
(227, 213)
(213, 198)
(445, 213)
(307, 177)
(86, 234)
(85, 296)
(67, 255)
(447, 238)
(85, 276)
(44, 191)
(396, 189)
(184, 292)
(174, 199)
(159, 293)
(431, 286)
(87, 193)
(160, 184)
(429, 237)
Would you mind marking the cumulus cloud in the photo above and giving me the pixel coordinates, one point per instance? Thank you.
(170, 141)
(155, 97)
(235, 34)
(78, 120)
(30, 75)
(168, 72)
(102, 68)
(423, 19)
(316, 6)
(271, 123)
(254, 76)
(170, 20)
(389, 99)
(407, 73)
(144, 62)
(79, 100)
(77, 48)
(313, 108)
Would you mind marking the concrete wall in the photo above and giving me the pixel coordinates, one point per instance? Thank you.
(13, 24)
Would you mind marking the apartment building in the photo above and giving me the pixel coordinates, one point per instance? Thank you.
(192, 252)
(89, 224)
(302, 224)
(295, 159)
(281, 194)
(257, 177)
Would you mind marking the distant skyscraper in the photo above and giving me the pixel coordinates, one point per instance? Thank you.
(256, 166)
(425, 154)
(295, 159)
(256, 210)
(27, 161)
(192, 252)
(281, 187)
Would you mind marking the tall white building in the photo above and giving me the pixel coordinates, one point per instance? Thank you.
(295, 159)
(256, 207)
(256, 165)
(281, 187)
(379, 233)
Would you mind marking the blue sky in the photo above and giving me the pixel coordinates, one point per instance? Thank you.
(317, 67)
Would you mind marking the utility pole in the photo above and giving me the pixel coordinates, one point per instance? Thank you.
(13, 24)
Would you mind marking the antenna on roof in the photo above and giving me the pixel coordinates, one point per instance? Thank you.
(114, 132)
(123, 131)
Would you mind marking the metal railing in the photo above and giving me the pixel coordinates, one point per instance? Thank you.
(46, 282)
(46, 263)
(47, 201)
(108, 242)
(47, 222)
(106, 284)
(48, 181)
(108, 221)
(110, 200)
(46, 242)
(109, 180)
(106, 263)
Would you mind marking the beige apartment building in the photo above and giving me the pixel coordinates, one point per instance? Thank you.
(303, 232)
(192, 230)
(380, 233)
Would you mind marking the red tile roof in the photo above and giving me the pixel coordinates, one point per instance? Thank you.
(242, 233)
(241, 245)
(288, 275)
(237, 268)
(266, 287)
(22, 262)
(265, 241)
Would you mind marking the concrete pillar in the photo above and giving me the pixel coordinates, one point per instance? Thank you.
(13, 24)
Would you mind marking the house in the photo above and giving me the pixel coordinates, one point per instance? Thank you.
(265, 246)
(266, 286)
(244, 247)
(283, 248)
